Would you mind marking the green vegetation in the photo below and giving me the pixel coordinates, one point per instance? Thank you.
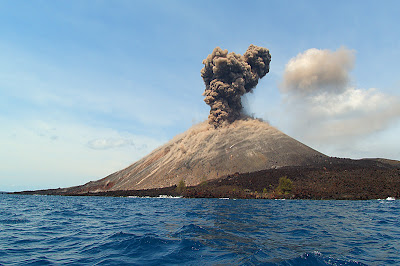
(204, 183)
(285, 185)
(181, 187)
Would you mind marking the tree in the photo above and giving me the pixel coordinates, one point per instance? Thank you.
(285, 185)
(181, 186)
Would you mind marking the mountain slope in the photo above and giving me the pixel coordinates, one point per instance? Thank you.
(203, 153)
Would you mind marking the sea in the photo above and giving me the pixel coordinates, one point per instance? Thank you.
(59, 230)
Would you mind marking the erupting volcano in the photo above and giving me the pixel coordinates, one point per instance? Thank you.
(240, 155)
(229, 142)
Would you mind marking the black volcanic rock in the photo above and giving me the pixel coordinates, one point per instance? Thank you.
(333, 178)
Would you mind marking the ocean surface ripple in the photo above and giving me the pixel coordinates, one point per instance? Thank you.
(54, 230)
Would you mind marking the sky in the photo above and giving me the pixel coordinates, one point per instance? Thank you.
(89, 87)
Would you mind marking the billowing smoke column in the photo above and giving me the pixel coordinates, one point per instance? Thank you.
(228, 76)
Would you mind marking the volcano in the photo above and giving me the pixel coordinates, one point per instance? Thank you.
(240, 155)
(228, 143)
(204, 153)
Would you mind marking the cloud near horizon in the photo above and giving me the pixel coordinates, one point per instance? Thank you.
(81, 152)
(317, 91)
(113, 143)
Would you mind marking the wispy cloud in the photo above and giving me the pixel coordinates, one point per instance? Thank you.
(104, 144)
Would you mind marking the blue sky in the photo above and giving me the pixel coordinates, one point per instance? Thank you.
(88, 87)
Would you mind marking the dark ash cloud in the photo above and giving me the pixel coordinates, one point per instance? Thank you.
(228, 76)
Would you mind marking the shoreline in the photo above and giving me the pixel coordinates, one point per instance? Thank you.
(336, 179)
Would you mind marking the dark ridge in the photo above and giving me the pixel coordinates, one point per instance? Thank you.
(335, 178)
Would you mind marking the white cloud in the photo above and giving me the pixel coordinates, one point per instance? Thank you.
(113, 143)
(323, 110)
(351, 100)
(354, 113)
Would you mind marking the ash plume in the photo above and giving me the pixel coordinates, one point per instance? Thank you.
(228, 76)
(317, 84)
(316, 71)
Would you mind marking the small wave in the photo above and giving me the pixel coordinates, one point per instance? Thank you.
(299, 232)
(190, 230)
(42, 260)
(169, 197)
(316, 258)
(159, 197)
(121, 234)
(14, 221)
(64, 213)
(131, 244)
(126, 248)
(389, 198)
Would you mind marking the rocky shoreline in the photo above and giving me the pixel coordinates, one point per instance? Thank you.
(339, 179)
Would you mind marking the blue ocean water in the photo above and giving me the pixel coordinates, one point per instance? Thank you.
(53, 230)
